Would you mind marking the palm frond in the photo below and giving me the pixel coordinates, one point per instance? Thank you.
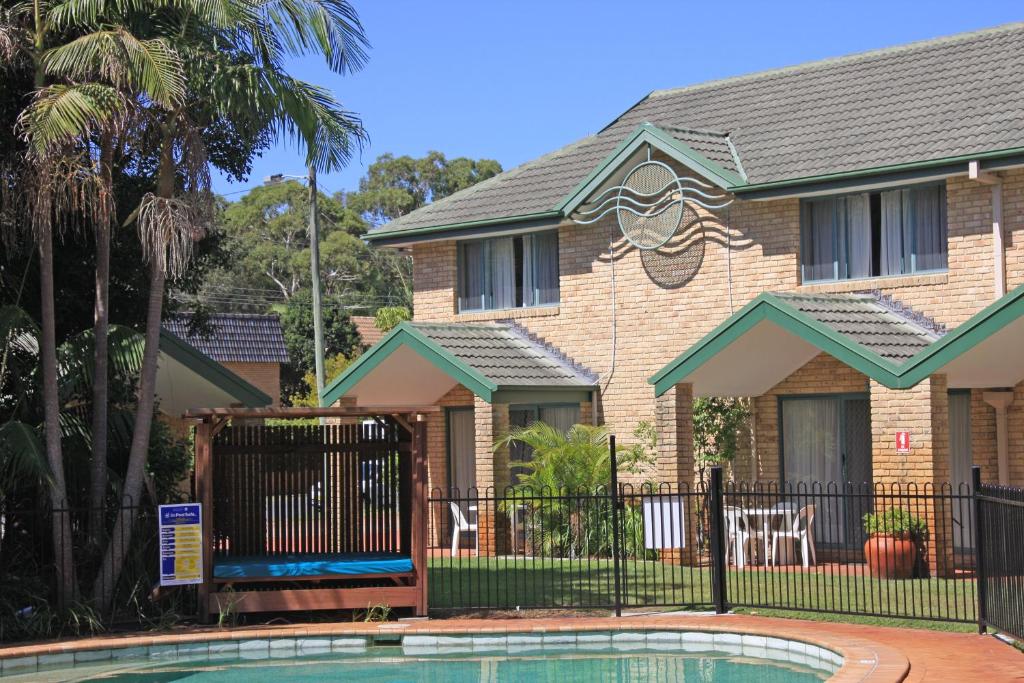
(330, 27)
(61, 113)
(75, 361)
(151, 67)
(22, 454)
(310, 113)
(168, 230)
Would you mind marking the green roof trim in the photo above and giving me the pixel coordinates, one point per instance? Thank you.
(647, 133)
(406, 334)
(395, 236)
(804, 182)
(975, 330)
(212, 371)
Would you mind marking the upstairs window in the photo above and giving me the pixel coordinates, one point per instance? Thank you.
(874, 234)
(509, 272)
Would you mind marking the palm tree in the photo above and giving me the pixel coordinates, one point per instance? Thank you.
(78, 87)
(235, 52)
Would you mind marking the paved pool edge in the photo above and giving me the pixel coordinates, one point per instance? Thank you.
(862, 659)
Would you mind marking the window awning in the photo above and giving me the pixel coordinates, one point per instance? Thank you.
(776, 334)
(418, 363)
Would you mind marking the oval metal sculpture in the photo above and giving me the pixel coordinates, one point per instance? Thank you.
(649, 204)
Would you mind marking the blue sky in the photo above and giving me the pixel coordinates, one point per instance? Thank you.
(514, 80)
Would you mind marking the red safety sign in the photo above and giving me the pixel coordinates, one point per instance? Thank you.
(902, 442)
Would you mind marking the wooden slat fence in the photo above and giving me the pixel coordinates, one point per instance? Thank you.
(310, 489)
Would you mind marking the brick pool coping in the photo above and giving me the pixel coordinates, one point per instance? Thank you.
(863, 659)
(870, 653)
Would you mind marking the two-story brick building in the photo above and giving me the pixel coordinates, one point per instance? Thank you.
(845, 247)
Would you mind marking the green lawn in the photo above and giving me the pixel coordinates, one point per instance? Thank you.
(510, 583)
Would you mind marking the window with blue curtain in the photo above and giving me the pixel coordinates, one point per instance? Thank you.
(874, 234)
(508, 272)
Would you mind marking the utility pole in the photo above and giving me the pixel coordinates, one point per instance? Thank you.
(314, 257)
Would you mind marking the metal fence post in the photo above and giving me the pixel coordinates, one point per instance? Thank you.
(717, 514)
(979, 553)
(616, 565)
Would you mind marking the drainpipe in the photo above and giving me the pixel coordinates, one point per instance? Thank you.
(1000, 400)
(975, 173)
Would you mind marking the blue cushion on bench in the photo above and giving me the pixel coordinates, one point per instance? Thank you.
(310, 565)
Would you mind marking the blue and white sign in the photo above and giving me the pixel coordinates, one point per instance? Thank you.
(181, 544)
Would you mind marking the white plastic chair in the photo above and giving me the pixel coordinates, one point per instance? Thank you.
(737, 536)
(462, 524)
(802, 531)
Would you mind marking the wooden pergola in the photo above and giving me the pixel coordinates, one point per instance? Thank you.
(299, 517)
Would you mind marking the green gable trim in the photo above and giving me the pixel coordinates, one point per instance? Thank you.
(407, 335)
(975, 330)
(972, 332)
(648, 134)
(218, 375)
(773, 309)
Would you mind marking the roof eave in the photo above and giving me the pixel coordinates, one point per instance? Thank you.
(772, 309)
(195, 360)
(909, 171)
(397, 238)
(406, 334)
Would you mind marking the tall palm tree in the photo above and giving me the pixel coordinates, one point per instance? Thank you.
(82, 59)
(235, 52)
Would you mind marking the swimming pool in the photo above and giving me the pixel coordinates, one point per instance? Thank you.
(593, 657)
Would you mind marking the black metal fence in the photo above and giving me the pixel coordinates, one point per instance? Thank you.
(1000, 511)
(29, 606)
(547, 549)
(804, 548)
(761, 547)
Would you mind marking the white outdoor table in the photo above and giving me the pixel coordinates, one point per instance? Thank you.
(766, 515)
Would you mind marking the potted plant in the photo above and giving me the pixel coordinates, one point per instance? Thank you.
(891, 548)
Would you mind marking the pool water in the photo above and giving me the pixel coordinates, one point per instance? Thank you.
(389, 665)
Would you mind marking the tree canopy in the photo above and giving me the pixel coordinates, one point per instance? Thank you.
(394, 186)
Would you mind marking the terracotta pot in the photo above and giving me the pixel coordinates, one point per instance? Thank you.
(890, 557)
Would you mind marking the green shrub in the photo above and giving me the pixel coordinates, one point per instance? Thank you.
(895, 522)
(577, 463)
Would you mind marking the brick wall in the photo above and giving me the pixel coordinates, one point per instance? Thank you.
(662, 307)
(264, 376)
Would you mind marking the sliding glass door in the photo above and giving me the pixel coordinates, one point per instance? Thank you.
(826, 447)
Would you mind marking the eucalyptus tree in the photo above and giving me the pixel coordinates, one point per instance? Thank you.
(83, 59)
(234, 53)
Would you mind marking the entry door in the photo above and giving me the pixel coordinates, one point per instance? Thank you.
(961, 459)
(461, 453)
(826, 444)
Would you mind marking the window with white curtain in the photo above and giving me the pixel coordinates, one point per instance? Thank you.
(874, 234)
(509, 272)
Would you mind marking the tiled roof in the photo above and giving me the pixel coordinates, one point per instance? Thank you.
(505, 355)
(714, 145)
(367, 328)
(883, 326)
(929, 100)
(235, 337)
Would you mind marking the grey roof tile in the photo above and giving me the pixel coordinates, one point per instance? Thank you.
(929, 100)
(235, 337)
(504, 355)
(885, 327)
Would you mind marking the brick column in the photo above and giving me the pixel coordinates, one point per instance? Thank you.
(675, 464)
(922, 410)
(492, 474)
